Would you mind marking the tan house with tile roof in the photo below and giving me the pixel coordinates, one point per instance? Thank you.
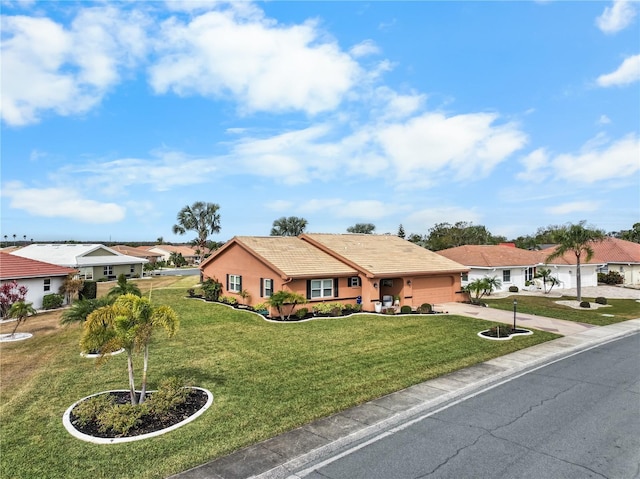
(137, 252)
(165, 250)
(517, 267)
(345, 268)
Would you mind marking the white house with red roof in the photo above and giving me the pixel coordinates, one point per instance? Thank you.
(39, 277)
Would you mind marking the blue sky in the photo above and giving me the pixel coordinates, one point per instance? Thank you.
(512, 115)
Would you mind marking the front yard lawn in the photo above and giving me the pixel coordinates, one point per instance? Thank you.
(620, 309)
(266, 378)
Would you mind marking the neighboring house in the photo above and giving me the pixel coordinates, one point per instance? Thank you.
(518, 267)
(137, 252)
(94, 261)
(345, 268)
(613, 254)
(188, 253)
(39, 277)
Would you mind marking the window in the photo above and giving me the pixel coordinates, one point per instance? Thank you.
(529, 274)
(464, 276)
(321, 288)
(506, 276)
(47, 284)
(387, 282)
(266, 287)
(354, 282)
(107, 271)
(132, 269)
(234, 283)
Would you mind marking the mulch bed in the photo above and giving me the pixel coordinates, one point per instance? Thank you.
(195, 400)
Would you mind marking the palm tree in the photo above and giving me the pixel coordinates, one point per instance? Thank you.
(71, 287)
(21, 310)
(201, 217)
(577, 239)
(291, 226)
(14, 240)
(128, 323)
(5, 240)
(25, 238)
(81, 309)
(545, 275)
(124, 287)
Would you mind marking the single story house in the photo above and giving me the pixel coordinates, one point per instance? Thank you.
(137, 252)
(94, 261)
(345, 268)
(39, 277)
(518, 267)
(165, 250)
(618, 255)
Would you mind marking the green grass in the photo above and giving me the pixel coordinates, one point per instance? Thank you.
(266, 379)
(621, 309)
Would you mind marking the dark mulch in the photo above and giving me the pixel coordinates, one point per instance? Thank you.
(504, 332)
(195, 400)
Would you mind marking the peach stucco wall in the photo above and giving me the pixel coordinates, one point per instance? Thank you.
(236, 260)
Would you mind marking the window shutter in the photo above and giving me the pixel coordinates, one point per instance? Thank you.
(335, 287)
(240, 282)
(308, 289)
(227, 282)
(262, 287)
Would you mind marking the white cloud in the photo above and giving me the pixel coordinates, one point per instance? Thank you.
(167, 170)
(573, 207)
(604, 120)
(361, 210)
(68, 71)
(364, 48)
(468, 146)
(628, 72)
(617, 17)
(536, 164)
(60, 203)
(263, 66)
(600, 160)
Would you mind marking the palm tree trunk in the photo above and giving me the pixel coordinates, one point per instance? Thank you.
(132, 384)
(18, 321)
(143, 389)
(578, 279)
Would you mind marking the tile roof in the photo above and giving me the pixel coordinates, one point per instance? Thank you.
(16, 267)
(383, 255)
(292, 256)
(184, 250)
(491, 256)
(610, 250)
(137, 251)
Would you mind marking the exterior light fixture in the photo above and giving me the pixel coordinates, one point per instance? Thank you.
(408, 282)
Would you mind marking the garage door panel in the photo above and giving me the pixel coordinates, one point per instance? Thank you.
(438, 289)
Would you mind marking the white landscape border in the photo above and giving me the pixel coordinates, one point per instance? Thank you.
(8, 337)
(506, 338)
(97, 355)
(66, 420)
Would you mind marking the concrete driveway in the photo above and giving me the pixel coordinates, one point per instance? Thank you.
(558, 326)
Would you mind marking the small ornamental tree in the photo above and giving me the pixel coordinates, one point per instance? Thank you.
(10, 293)
(71, 287)
(21, 310)
(124, 287)
(285, 299)
(548, 280)
(128, 323)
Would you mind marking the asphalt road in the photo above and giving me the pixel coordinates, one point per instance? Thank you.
(179, 272)
(576, 418)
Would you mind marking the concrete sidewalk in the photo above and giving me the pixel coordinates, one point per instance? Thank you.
(281, 456)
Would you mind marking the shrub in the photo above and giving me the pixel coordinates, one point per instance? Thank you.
(89, 290)
(513, 289)
(389, 311)
(10, 293)
(424, 308)
(170, 394)
(612, 277)
(406, 309)
(585, 304)
(500, 331)
(352, 308)
(211, 289)
(328, 308)
(88, 410)
(120, 418)
(52, 301)
(191, 292)
(229, 300)
(601, 300)
(302, 313)
(260, 307)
